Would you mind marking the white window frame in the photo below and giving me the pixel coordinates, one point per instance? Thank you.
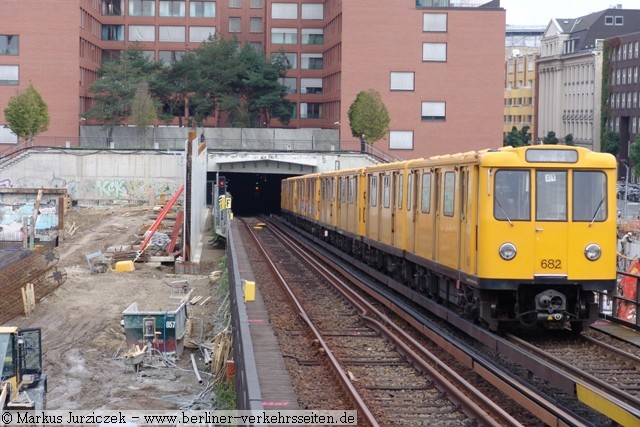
(142, 33)
(312, 11)
(172, 33)
(200, 34)
(402, 80)
(401, 140)
(434, 22)
(284, 10)
(434, 52)
(433, 111)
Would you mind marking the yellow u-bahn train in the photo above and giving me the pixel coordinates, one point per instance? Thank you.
(509, 236)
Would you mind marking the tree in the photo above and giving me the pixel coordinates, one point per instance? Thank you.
(27, 114)
(517, 138)
(368, 116)
(143, 109)
(551, 138)
(610, 142)
(568, 140)
(115, 89)
(634, 155)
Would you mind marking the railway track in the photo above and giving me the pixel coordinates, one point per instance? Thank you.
(554, 396)
(591, 362)
(390, 378)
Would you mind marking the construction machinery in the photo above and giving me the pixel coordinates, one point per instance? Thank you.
(23, 386)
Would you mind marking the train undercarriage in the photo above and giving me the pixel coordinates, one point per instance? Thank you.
(522, 306)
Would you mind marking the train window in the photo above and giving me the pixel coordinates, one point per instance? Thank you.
(373, 191)
(400, 191)
(512, 201)
(589, 196)
(449, 193)
(386, 192)
(343, 189)
(409, 190)
(352, 189)
(551, 195)
(426, 193)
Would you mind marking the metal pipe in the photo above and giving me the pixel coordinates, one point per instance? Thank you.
(195, 368)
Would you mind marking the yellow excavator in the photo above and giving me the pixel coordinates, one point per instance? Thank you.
(23, 386)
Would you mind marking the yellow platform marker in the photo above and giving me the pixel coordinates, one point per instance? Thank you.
(249, 288)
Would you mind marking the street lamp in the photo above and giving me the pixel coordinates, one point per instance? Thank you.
(626, 186)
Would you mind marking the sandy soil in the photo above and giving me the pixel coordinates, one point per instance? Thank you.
(83, 340)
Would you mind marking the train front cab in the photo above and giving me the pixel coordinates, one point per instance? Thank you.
(546, 235)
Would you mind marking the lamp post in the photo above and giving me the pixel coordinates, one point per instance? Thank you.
(626, 186)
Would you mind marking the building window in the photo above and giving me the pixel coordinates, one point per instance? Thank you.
(257, 46)
(433, 111)
(402, 80)
(312, 11)
(311, 85)
(256, 4)
(235, 4)
(9, 75)
(142, 7)
(201, 34)
(289, 59)
(434, 22)
(235, 25)
(112, 8)
(284, 35)
(172, 8)
(7, 137)
(171, 33)
(202, 9)
(312, 36)
(608, 20)
(255, 25)
(434, 52)
(311, 61)
(401, 140)
(113, 32)
(290, 83)
(284, 11)
(169, 56)
(9, 44)
(310, 110)
(619, 20)
(142, 33)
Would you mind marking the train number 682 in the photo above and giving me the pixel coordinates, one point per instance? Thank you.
(554, 264)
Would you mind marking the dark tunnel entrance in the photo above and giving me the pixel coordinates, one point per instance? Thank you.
(252, 193)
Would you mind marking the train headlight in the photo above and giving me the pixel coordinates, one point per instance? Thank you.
(508, 251)
(592, 252)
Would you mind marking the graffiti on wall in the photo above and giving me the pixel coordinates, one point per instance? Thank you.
(132, 190)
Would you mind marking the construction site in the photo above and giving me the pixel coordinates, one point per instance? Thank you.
(121, 328)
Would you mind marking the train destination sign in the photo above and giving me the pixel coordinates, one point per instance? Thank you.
(547, 156)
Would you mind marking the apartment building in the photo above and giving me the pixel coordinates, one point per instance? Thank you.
(570, 73)
(438, 64)
(522, 46)
(623, 89)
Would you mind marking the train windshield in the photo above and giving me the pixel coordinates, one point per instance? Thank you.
(6, 356)
(512, 201)
(589, 196)
(551, 195)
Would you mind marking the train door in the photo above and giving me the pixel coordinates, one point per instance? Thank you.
(397, 211)
(421, 221)
(386, 220)
(550, 232)
(463, 236)
(437, 177)
(448, 221)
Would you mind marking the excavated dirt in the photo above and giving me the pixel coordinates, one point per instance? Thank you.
(82, 336)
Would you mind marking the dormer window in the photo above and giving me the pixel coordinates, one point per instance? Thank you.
(619, 20)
